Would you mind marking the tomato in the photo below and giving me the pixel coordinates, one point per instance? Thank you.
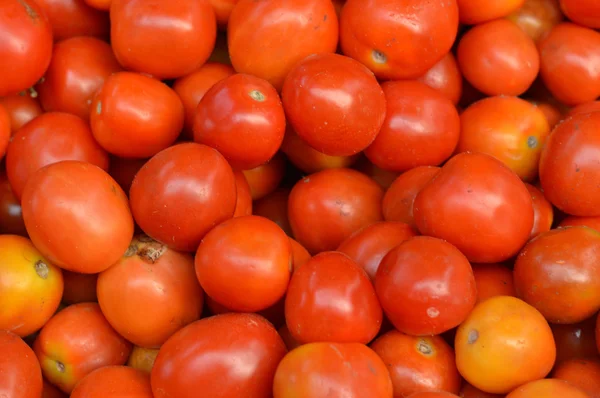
(432, 394)
(119, 381)
(582, 12)
(548, 388)
(445, 77)
(418, 363)
(425, 286)
(223, 10)
(50, 391)
(254, 25)
(77, 341)
(322, 370)
(404, 46)
(510, 129)
(287, 338)
(5, 130)
(330, 125)
(586, 107)
(123, 170)
(103, 5)
(575, 341)
(274, 206)
(21, 374)
(300, 255)
(474, 12)
(468, 391)
(456, 204)
(553, 113)
(493, 280)
(571, 221)
(22, 108)
(581, 373)
(265, 179)
(142, 358)
(410, 136)
(369, 245)
(11, 219)
(382, 177)
(327, 207)
(48, 139)
(243, 203)
(570, 50)
(182, 35)
(537, 17)
(543, 212)
(79, 288)
(71, 18)
(26, 46)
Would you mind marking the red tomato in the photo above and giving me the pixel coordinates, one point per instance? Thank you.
(493, 280)
(11, 218)
(265, 179)
(182, 33)
(581, 373)
(473, 12)
(51, 391)
(575, 341)
(468, 391)
(70, 18)
(5, 130)
(274, 206)
(114, 381)
(445, 77)
(382, 177)
(223, 10)
(543, 212)
(123, 170)
(22, 108)
(79, 288)
(548, 388)
(208, 356)
(537, 17)
(553, 113)
(103, 5)
(572, 221)
(582, 12)
(20, 370)
(586, 107)
(243, 202)
(432, 394)
(287, 338)
(300, 255)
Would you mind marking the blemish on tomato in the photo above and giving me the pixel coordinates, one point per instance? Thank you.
(532, 142)
(29, 10)
(257, 95)
(41, 269)
(379, 57)
(99, 107)
(472, 337)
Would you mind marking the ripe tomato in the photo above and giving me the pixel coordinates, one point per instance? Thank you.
(123, 170)
(456, 205)
(226, 343)
(586, 107)
(572, 221)
(21, 374)
(115, 381)
(5, 130)
(11, 219)
(79, 288)
(393, 47)
(274, 206)
(260, 42)
(182, 35)
(468, 391)
(537, 17)
(243, 202)
(77, 341)
(493, 280)
(445, 77)
(142, 358)
(103, 5)
(92, 238)
(548, 388)
(418, 363)
(265, 179)
(543, 212)
(582, 12)
(581, 373)
(22, 108)
(287, 338)
(474, 12)
(327, 207)
(486, 353)
(300, 255)
(71, 18)
(48, 139)
(223, 10)
(575, 341)
(26, 47)
(432, 394)
(553, 113)
(382, 177)
(51, 391)
(351, 369)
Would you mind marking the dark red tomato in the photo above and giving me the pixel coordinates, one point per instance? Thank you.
(287, 338)
(598, 332)
(22, 108)
(223, 10)
(165, 39)
(135, 116)
(571, 221)
(274, 206)
(543, 212)
(369, 245)
(569, 168)
(79, 288)
(581, 373)
(330, 298)
(265, 179)
(421, 128)
(403, 46)
(575, 340)
(382, 177)
(243, 201)
(79, 67)
(192, 189)
(493, 280)
(50, 138)
(418, 363)
(123, 170)
(559, 274)
(114, 381)
(11, 219)
(5, 130)
(26, 45)
(582, 12)
(70, 18)
(456, 206)
(208, 356)
(103, 5)
(445, 77)
(475, 12)
(20, 370)
(570, 50)
(334, 103)
(586, 107)
(425, 286)
(242, 117)
(537, 17)
(327, 207)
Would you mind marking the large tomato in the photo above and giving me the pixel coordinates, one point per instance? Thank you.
(583, 12)
(548, 388)
(581, 373)
(475, 12)
(71, 18)
(114, 381)
(20, 370)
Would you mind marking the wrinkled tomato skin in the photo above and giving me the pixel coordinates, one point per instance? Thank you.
(71, 18)
(474, 12)
(543, 212)
(581, 373)
(493, 280)
(22, 108)
(537, 17)
(11, 217)
(582, 12)
(116, 381)
(550, 388)
(575, 340)
(445, 77)
(21, 373)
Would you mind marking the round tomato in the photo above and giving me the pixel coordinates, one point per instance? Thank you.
(493, 280)
(11, 218)
(382, 177)
(142, 358)
(243, 202)
(548, 388)
(575, 340)
(445, 77)
(20, 370)
(543, 212)
(265, 179)
(22, 108)
(123, 170)
(582, 12)
(581, 373)
(274, 206)
(79, 288)
(71, 18)
(473, 12)
(5, 130)
(553, 113)
(115, 381)
(300, 255)
(537, 17)
(586, 107)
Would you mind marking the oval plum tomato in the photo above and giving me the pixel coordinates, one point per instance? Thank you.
(369, 245)
(77, 341)
(582, 12)
(242, 117)
(586, 107)
(223, 9)
(425, 286)
(399, 199)
(70, 18)
(559, 274)
(22, 108)
(510, 129)
(570, 50)
(192, 189)
(581, 373)
(114, 381)
(543, 212)
(572, 221)
(79, 288)
(418, 363)
(569, 168)
(21, 374)
(257, 276)
(142, 358)
(474, 12)
(321, 370)
(576, 340)
(243, 203)
(11, 218)
(327, 123)
(183, 35)
(404, 46)
(445, 77)
(50, 138)
(253, 25)
(265, 179)
(456, 204)
(486, 353)
(78, 68)
(26, 46)
(537, 17)
(274, 206)
(410, 135)
(135, 116)
(30, 287)
(548, 388)
(208, 355)
(5, 130)
(300, 255)
(468, 391)
(330, 298)
(327, 207)
(493, 280)
(103, 5)
(192, 87)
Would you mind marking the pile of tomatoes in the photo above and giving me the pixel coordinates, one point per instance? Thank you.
(299, 198)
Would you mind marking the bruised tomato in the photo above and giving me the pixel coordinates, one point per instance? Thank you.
(20, 370)
(116, 381)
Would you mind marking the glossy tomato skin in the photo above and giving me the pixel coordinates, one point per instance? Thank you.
(11, 217)
(543, 212)
(456, 204)
(21, 373)
(318, 370)
(5, 130)
(328, 123)
(274, 206)
(391, 47)
(207, 354)
(473, 12)
(265, 179)
(164, 39)
(575, 340)
(537, 17)
(23, 22)
(582, 12)
(445, 77)
(114, 381)
(243, 203)
(71, 18)
(581, 373)
(253, 25)
(493, 280)
(550, 388)
(22, 108)
(223, 9)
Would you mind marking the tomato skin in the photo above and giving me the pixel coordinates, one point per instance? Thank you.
(382, 177)
(21, 374)
(493, 280)
(253, 25)
(537, 17)
(543, 212)
(346, 368)
(243, 203)
(432, 394)
(575, 340)
(123, 170)
(79, 288)
(142, 358)
(274, 206)
(71, 18)
(581, 373)
(265, 179)
(300, 255)
(445, 77)
(223, 9)
(572, 221)
(550, 388)
(554, 114)
(109, 381)
(224, 342)
(5, 130)
(169, 24)
(582, 12)
(468, 391)
(474, 12)
(103, 5)
(391, 47)
(586, 107)
(23, 22)
(22, 108)
(51, 391)
(11, 217)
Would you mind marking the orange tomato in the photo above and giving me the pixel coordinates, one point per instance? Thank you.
(265, 179)
(473, 12)
(548, 388)
(114, 381)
